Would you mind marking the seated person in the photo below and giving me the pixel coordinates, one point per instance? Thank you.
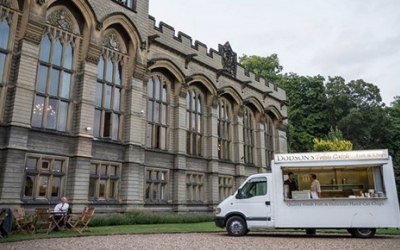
(62, 207)
(61, 211)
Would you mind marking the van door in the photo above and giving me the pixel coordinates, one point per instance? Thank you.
(254, 201)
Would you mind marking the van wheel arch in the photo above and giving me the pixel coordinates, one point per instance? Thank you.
(363, 233)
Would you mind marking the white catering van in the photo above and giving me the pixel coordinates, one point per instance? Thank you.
(358, 193)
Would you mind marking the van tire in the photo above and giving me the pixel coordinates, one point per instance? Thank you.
(236, 226)
(362, 232)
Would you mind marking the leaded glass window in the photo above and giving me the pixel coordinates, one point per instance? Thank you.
(104, 181)
(54, 80)
(224, 128)
(44, 177)
(194, 120)
(157, 112)
(269, 141)
(108, 113)
(156, 186)
(248, 136)
(7, 23)
(194, 187)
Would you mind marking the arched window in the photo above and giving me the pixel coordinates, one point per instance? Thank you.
(224, 125)
(54, 81)
(194, 119)
(269, 141)
(6, 18)
(157, 112)
(5, 32)
(248, 136)
(55, 72)
(109, 88)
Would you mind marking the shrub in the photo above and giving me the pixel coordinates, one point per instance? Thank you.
(144, 217)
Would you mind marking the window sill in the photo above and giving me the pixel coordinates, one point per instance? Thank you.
(52, 131)
(106, 202)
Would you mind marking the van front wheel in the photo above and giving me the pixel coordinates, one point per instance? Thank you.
(362, 232)
(236, 226)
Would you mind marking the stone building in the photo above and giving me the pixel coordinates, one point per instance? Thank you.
(102, 105)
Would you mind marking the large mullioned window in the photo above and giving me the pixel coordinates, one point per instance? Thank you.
(224, 134)
(4, 51)
(157, 112)
(109, 88)
(225, 186)
(269, 141)
(104, 181)
(44, 177)
(156, 186)
(194, 121)
(194, 187)
(248, 136)
(54, 81)
(108, 98)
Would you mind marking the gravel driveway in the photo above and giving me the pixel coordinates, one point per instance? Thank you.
(210, 241)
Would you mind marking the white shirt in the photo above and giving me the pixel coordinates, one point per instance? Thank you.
(315, 189)
(61, 207)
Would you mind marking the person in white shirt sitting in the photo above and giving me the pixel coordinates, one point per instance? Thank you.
(61, 211)
(62, 207)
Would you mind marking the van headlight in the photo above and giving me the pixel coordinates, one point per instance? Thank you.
(217, 210)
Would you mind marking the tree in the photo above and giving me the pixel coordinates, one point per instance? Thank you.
(334, 141)
(266, 67)
(339, 100)
(365, 94)
(394, 133)
(356, 108)
(307, 110)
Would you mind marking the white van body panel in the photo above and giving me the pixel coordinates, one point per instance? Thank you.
(377, 212)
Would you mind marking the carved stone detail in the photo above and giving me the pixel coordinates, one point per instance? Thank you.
(93, 54)
(240, 111)
(229, 59)
(60, 18)
(34, 32)
(214, 101)
(99, 26)
(6, 16)
(40, 2)
(6, 3)
(110, 41)
(140, 71)
(183, 92)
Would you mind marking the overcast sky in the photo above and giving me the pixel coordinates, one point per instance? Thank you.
(355, 39)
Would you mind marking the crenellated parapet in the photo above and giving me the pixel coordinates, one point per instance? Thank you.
(214, 60)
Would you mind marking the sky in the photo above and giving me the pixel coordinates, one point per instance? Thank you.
(354, 39)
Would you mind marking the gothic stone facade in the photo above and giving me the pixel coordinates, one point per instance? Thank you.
(103, 106)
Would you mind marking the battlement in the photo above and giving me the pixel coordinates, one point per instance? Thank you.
(183, 43)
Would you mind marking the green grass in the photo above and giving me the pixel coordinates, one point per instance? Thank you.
(203, 227)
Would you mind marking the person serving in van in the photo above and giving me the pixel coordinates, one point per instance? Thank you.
(315, 187)
(291, 185)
